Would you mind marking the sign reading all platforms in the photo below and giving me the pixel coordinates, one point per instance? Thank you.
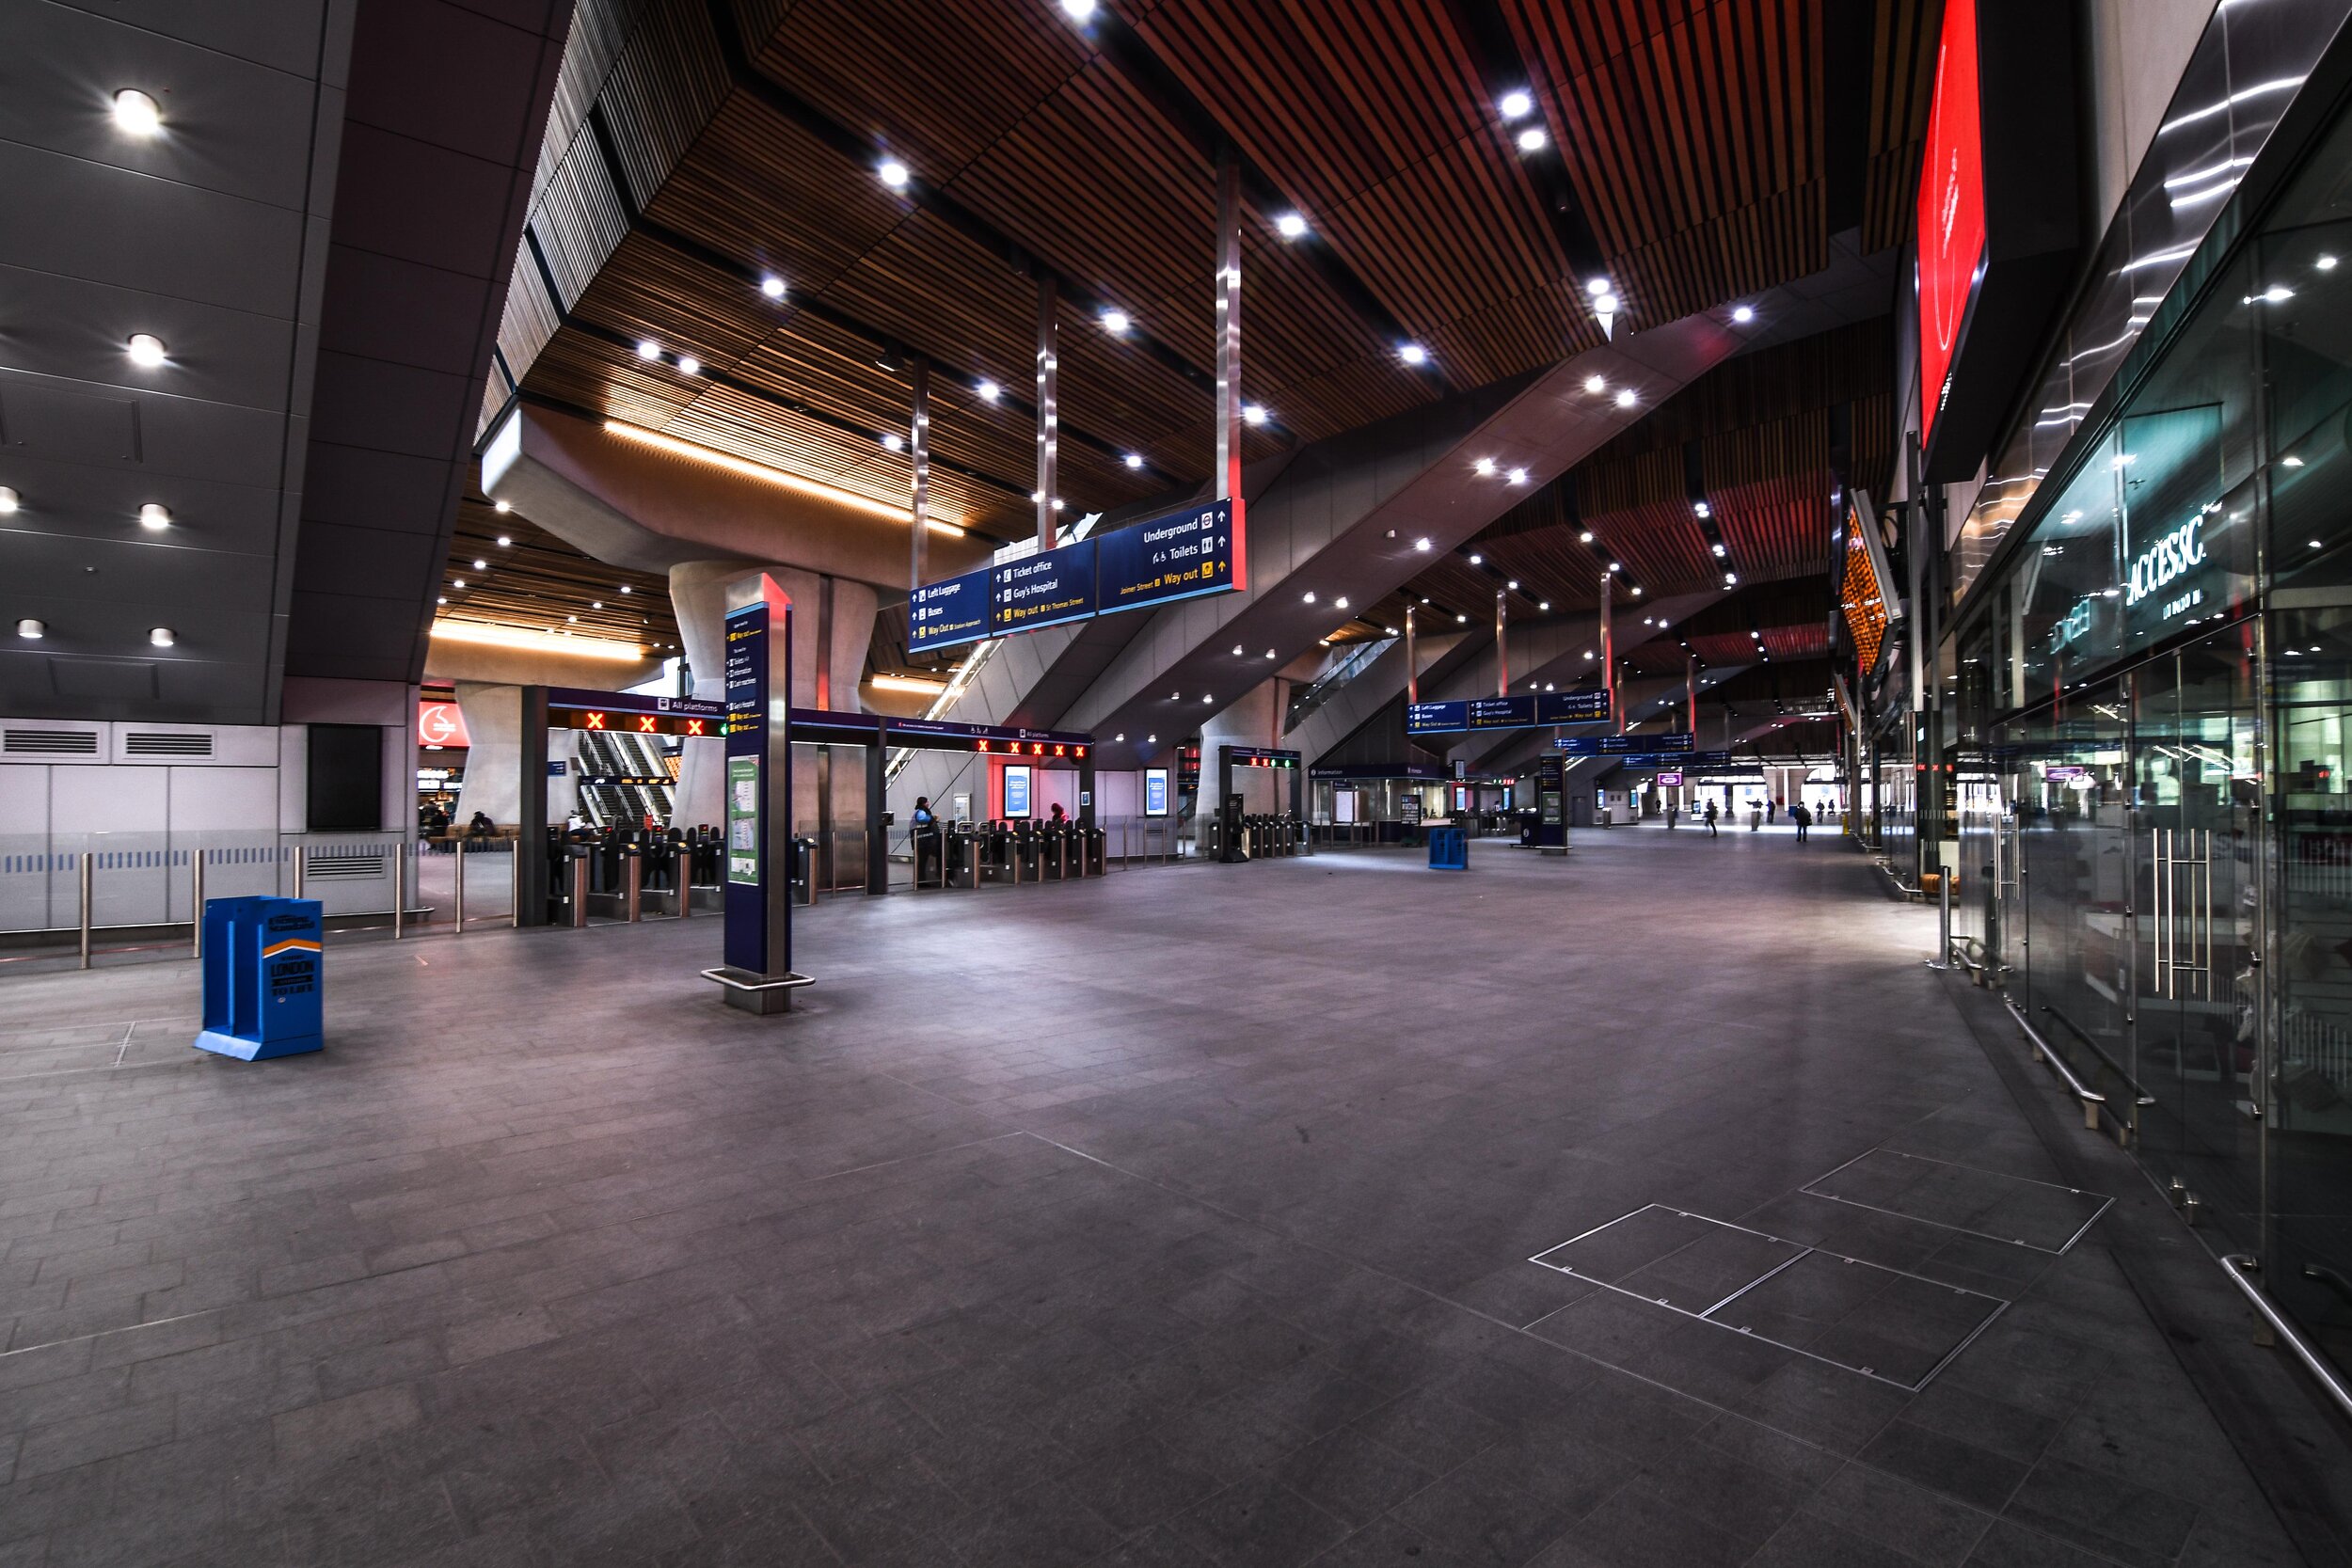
(1507, 713)
(1178, 556)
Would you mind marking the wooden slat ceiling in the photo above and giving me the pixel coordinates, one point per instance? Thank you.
(741, 139)
(538, 583)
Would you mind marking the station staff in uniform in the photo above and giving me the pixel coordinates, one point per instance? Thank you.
(926, 837)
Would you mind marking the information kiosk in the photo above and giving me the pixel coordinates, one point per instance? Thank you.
(757, 976)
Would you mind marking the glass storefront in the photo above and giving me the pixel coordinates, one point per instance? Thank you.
(2156, 709)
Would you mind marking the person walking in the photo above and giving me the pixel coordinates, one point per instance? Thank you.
(927, 846)
(1802, 817)
(1672, 811)
(1710, 820)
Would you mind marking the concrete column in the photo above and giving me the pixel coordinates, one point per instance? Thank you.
(493, 728)
(1254, 719)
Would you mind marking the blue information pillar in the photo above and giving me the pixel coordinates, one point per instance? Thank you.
(757, 976)
(262, 987)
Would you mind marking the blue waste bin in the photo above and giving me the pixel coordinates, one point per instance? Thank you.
(263, 988)
(1448, 849)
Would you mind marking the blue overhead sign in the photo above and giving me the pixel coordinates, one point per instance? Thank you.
(943, 614)
(1040, 591)
(1173, 557)
(1675, 741)
(1507, 713)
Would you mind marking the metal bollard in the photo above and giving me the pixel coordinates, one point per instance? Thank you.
(458, 898)
(302, 867)
(86, 870)
(514, 886)
(195, 908)
(399, 887)
(635, 883)
(580, 892)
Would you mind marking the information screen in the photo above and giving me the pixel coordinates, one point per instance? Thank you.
(744, 821)
(1017, 790)
(1155, 792)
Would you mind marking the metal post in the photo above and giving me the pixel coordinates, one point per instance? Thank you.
(1502, 657)
(1412, 666)
(1943, 958)
(400, 886)
(515, 880)
(1228, 326)
(86, 880)
(196, 908)
(633, 882)
(458, 852)
(579, 891)
(302, 867)
(919, 448)
(1691, 693)
(1048, 412)
(1609, 654)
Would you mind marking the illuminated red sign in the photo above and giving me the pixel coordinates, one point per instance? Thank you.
(1951, 208)
(441, 724)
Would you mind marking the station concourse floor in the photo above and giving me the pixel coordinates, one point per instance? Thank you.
(1178, 1217)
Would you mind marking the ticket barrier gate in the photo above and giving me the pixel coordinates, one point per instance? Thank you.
(973, 853)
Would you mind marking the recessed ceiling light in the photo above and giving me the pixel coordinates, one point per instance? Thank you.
(1719, 551)
(892, 173)
(155, 517)
(1291, 226)
(989, 392)
(1730, 578)
(1637, 590)
(1484, 467)
(135, 113)
(1412, 354)
(1309, 596)
(772, 286)
(1595, 384)
(1120, 736)
(1422, 545)
(1151, 740)
(648, 349)
(1515, 104)
(1340, 603)
(1115, 321)
(1513, 585)
(689, 365)
(443, 601)
(1078, 10)
(1704, 509)
(1207, 698)
(1616, 566)
(506, 540)
(8, 500)
(1546, 605)
(1253, 413)
(1744, 315)
(1624, 397)
(457, 582)
(1532, 139)
(1133, 460)
(145, 349)
(1461, 620)
(596, 604)
(893, 441)
(1238, 652)
(1518, 476)
(1588, 653)
(1269, 653)
(1477, 559)
(627, 589)
(1585, 537)
(30, 629)
(161, 637)
(2292, 462)
(502, 507)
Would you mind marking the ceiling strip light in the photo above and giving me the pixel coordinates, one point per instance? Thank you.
(535, 641)
(773, 476)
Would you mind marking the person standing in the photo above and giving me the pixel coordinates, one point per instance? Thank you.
(926, 837)
(1710, 820)
(1802, 817)
(1672, 811)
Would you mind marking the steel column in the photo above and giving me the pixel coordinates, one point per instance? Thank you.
(1228, 326)
(919, 449)
(1048, 411)
(1503, 656)
(1412, 666)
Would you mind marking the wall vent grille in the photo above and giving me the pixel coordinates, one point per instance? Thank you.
(343, 868)
(51, 743)
(157, 743)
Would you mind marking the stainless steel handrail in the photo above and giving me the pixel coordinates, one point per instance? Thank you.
(2237, 1265)
(2092, 1099)
(2138, 1095)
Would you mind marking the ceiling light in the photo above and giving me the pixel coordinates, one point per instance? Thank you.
(443, 601)
(1518, 476)
(506, 540)
(1412, 354)
(1477, 559)
(1207, 698)
(1151, 740)
(502, 507)
(1134, 460)
(1513, 585)
(1078, 10)
(154, 516)
(2326, 263)
(1719, 551)
(1637, 590)
(1730, 578)
(892, 173)
(1115, 321)
(772, 286)
(596, 604)
(1532, 139)
(1253, 413)
(145, 349)
(1459, 620)
(161, 637)
(1598, 286)
(481, 566)
(689, 365)
(457, 582)
(912, 684)
(135, 113)
(2292, 462)
(893, 441)
(1744, 315)
(1422, 545)
(627, 589)
(1546, 605)
(1309, 596)
(1624, 397)
(1340, 603)
(1484, 467)
(1269, 653)
(2315, 543)
(514, 637)
(1616, 566)
(1120, 736)
(1585, 537)
(8, 500)
(1515, 104)
(1291, 226)
(1238, 652)
(1704, 509)
(757, 470)
(989, 392)
(30, 629)
(1595, 384)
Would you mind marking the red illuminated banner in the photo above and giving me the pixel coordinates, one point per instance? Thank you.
(441, 724)
(1951, 209)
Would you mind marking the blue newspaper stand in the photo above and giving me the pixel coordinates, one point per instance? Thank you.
(262, 977)
(1448, 849)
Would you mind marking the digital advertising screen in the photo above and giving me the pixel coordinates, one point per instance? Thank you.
(1951, 209)
(1017, 790)
(1155, 792)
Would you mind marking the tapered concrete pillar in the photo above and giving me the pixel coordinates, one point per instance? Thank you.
(1255, 719)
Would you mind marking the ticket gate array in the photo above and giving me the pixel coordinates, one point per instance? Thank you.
(970, 854)
(612, 870)
(1261, 835)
